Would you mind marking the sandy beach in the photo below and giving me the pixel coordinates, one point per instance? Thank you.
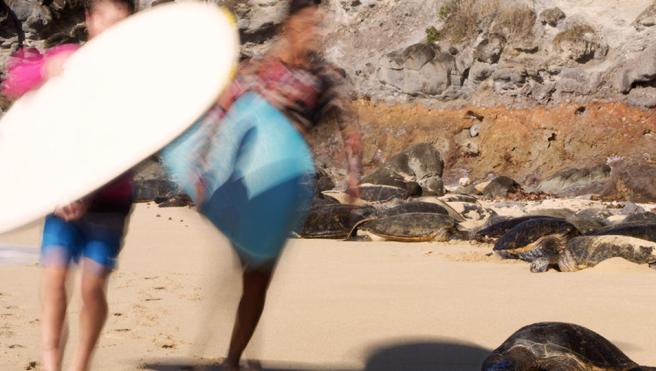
(333, 305)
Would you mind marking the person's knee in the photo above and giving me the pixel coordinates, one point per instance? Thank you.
(92, 292)
(94, 282)
(54, 279)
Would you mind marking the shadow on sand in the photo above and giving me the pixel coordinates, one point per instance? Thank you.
(411, 356)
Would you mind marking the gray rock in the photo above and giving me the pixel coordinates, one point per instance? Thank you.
(509, 78)
(551, 16)
(577, 81)
(643, 97)
(542, 92)
(500, 187)
(420, 163)
(475, 130)
(432, 186)
(631, 208)
(490, 48)
(467, 144)
(577, 181)
(480, 71)
(413, 57)
(647, 18)
(580, 43)
(418, 69)
(640, 70)
(632, 182)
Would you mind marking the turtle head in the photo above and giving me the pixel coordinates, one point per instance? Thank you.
(550, 248)
(515, 359)
(551, 245)
(502, 362)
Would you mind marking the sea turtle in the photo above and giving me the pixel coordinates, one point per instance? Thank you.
(370, 193)
(414, 207)
(586, 224)
(434, 200)
(409, 227)
(520, 241)
(571, 255)
(323, 201)
(382, 193)
(646, 217)
(472, 210)
(333, 221)
(499, 226)
(558, 346)
(637, 230)
(458, 197)
(556, 213)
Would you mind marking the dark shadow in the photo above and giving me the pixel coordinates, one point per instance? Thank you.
(194, 365)
(434, 356)
(412, 356)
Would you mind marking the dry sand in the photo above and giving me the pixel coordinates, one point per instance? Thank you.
(332, 305)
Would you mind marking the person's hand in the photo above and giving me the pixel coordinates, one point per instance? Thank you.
(353, 188)
(73, 211)
(55, 65)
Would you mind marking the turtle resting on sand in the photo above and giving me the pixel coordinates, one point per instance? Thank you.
(370, 193)
(333, 221)
(587, 251)
(382, 193)
(637, 230)
(644, 218)
(555, 346)
(499, 228)
(414, 207)
(409, 227)
(520, 242)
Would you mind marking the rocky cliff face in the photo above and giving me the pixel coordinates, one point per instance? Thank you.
(517, 87)
(486, 52)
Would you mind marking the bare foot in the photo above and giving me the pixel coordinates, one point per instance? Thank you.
(245, 366)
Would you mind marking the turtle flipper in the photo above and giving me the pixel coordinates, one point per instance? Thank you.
(540, 265)
(354, 231)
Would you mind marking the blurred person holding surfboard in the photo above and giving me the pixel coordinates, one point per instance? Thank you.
(88, 231)
(247, 164)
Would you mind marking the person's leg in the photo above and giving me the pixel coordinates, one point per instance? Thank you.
(104, 235)
(251, 305)
(93, 312)
(52, 315)
(60, 245)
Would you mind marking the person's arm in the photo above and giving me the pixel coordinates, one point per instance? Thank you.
(338, 107)
(352, 138)
(74, 210)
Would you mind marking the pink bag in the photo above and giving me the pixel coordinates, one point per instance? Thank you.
(25, 69)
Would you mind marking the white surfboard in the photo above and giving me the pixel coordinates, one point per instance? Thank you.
(121, 97)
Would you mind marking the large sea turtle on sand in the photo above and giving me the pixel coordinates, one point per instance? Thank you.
(645, 218)
(570, 255)
(414, 207)
(556, 346)
(435, 200)
(500, 226)
(637, 230)
(371, 193)
(520, 241)
(333, 221)
(409, 227)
